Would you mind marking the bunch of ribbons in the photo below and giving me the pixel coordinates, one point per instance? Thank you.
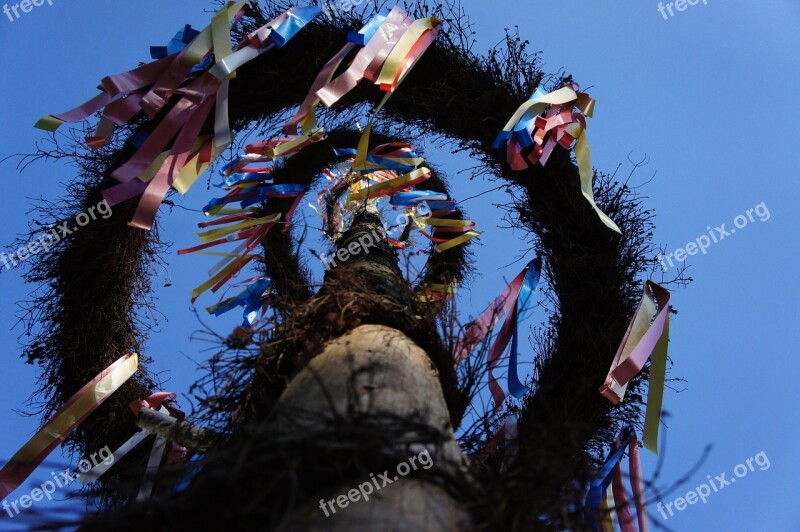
(392, 43)
(65, 421)
(607, 500)
(163, 402)
(197, 66)
(392, 170)
(646, 338)
(548, 120)
(514, 302)
(248, 224)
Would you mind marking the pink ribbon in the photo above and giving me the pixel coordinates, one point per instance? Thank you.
(624, 371)
(504, 304)
(21, 465)
(622, 506)
(290, 128)
(396, 23)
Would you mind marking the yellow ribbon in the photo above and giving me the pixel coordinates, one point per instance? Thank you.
(466, 237)
(80, 405)
(194, 168)
(641, 322)
(233, 266)
(396, 58)
(655, 390)
(212, 35)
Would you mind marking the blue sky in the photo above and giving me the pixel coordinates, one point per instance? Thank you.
(707, 95)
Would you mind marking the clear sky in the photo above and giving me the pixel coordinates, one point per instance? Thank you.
(706, 94)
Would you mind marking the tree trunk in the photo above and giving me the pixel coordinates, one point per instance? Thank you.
(375, 375)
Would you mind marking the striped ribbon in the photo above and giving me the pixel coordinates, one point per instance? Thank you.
(65, 421)
(642, 341)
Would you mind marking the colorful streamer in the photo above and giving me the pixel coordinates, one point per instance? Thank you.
(513, 302)
(154, 402)
(643, 341)
(149, 88)
(611, 473)
(251, 299)
(73, 413)
(530, 138)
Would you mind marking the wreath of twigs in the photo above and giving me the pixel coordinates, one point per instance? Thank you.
(97, 283)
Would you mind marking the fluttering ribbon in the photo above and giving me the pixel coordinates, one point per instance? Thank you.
(241, 224)
(530, 138)
(65, 421)
(382, 41)
(642, 341)
(513, 302)
(306, 113)
(610, 474)
(149, 88)
(251, 299)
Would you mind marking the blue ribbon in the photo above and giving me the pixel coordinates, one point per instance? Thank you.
(599, 485)
(263, 193)
(382, 162)
(246, 176)
(296, 21)
(524, 304)
(178, 43)
(413, 197)
(269, 191)
(251, 298)
(521, 129)
(362, 36)
(344, 151)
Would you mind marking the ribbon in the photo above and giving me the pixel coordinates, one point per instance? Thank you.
(611, 471)
(251, 299)
(527, 131)
(513, 302)
(446, 227)
(154, 402)
(643, 341)
(148, 88)
(65, 421)
(252, 195)
(159, 445)
(396, 156)
(247, 226)
(395, 24)
(306, 114)
(182, 38)
(436, 292)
